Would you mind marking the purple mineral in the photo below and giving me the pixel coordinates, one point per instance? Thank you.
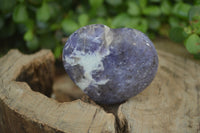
(110, 65)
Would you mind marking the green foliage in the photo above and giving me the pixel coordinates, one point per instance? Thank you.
(58, 51)
(181, 10)
(43, 13)
(114, 2)
(7, 5)
(83, 19)
(194, 12)
(153, 11)
(142, 3)
(33, 44)
(120, 20)
(20, 14)
(166, 7)
(133, 8)
(177, 34)
(28, 36)
(69, 25)
(193, 44)
(95, 3)
(43, 24)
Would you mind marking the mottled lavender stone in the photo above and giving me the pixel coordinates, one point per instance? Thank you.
(110, 65)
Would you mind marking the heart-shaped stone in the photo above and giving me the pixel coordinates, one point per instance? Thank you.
(110, 65)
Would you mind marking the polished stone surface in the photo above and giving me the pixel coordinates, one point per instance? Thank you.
(110, 65)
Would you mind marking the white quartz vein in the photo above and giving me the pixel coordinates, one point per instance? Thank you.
(90, 62)
(108, 35)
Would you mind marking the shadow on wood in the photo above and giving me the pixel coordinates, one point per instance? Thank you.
(23, 110)
(170, 104)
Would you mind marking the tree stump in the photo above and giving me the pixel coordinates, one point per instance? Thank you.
(27, 110)
(171, 104)
(31, 102)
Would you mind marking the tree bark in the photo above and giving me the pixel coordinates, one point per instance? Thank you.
(25, 83)
(170, 104)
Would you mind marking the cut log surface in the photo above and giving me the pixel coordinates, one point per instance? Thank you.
(171, 104)
(23, 110)
(64, 90)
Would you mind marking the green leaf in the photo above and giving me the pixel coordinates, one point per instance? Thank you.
(33, 44)
(193, 12)
(188, 30)
(133, 8)
(101, 11)
(55, 26)
(142, 3)
(143, 26)
(95, 3)
(120, 20)
(192, 44)
(155, 1)
(108, 22)
(178, 1)
(55, 10)
(176, 22)
(134, 22)
(29, 24)
(153, 23)
(43, 13)
(197, 29)
(21, 1)
(114, 2)
(20, 14)
(7, 5)
(166, 7)
(69, 26)
(83, 19)
(152, 11)
(195, 24)
(99, 21)
(35, 2)
(181, 10)
(80, 9)
(28, 36)
(58, 51)
(138, 23)
(197, 2)
(177, 34)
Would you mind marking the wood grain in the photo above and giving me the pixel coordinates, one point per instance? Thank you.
(171, 104)
(31, 102)
(24, 109)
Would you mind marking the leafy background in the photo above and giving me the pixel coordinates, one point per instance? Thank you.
(30, 25)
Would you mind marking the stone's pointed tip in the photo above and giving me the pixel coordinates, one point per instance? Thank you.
(114, 64)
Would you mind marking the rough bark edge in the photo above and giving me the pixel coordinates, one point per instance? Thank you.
(22, 117)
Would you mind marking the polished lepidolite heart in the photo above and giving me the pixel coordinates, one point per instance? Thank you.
(110, 65)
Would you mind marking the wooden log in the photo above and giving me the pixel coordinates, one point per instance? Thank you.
(171, 104)
(64, 90)
(25, 83)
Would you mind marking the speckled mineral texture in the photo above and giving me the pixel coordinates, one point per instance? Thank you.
(110, 65)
